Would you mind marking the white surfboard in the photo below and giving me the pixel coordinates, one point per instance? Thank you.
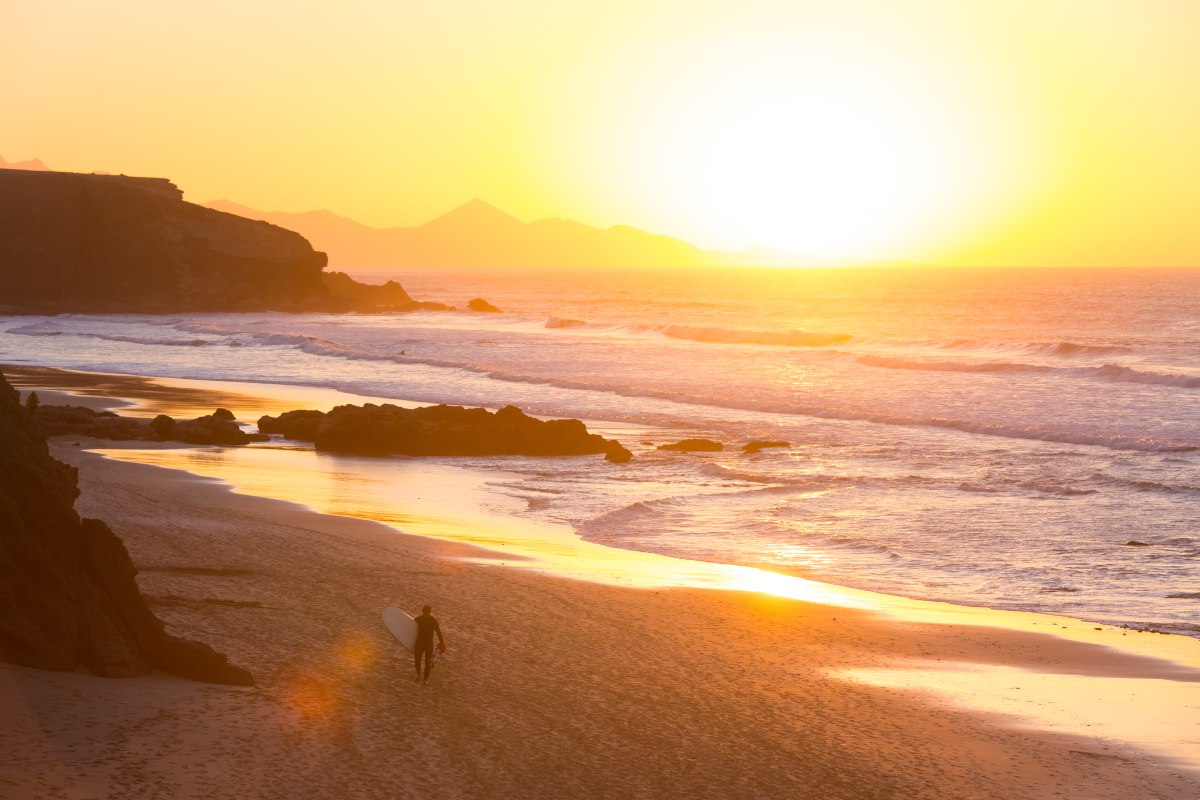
(402, 626)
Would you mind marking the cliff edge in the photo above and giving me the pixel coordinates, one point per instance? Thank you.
(72, 242)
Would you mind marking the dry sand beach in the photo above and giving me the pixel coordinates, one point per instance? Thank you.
(553, 686)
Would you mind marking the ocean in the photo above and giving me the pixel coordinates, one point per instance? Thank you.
(985, 437)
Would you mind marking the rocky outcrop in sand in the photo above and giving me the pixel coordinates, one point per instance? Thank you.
(440, 431)
(220, 427)
(68, 593)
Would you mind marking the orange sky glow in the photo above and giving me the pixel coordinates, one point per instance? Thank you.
(1049, 133)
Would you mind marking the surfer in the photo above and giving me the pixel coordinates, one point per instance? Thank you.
(427, 626)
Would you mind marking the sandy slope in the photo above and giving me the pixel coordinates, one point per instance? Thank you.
(553, 688)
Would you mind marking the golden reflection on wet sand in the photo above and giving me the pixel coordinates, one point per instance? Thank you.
(447, 502)
(1162, 716)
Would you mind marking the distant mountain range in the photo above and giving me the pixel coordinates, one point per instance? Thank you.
(33, 165)
(478, 234)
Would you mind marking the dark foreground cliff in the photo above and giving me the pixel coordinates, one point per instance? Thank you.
(68, 593)
(72, 242)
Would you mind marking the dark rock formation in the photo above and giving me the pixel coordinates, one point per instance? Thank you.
(617, 453)
(694, 445)
(213, 429)
(389, 296)
(68, 593)
(112, 243)
(56, 420)
(74, 242)
(299, 425)
(760, 444)
(1135, 543)
(162, 425)
(217, 428)
(438, 431)
(479, 304)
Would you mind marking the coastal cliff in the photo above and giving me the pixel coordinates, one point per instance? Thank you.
(73, 242)
(68, 593)
(98, 243)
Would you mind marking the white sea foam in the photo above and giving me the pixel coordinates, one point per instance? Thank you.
(707, 334)
(1108, 372)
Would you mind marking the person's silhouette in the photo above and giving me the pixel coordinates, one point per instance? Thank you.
(427, 626)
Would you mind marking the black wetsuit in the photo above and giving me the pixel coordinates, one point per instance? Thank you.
(426, 627)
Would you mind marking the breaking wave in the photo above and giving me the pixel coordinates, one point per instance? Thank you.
(225, 333)
(1118, 441)
(555, 322)
(735, 336)
(48, 329)
(713, 335)
(1064, 349)
(1119, 374)
(889, 362)
(1109, 372)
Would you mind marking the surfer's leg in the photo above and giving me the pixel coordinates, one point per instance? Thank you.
(428, 652)
(423, 652)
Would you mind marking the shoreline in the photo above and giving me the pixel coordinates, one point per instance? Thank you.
(907, 642)
(142, 395)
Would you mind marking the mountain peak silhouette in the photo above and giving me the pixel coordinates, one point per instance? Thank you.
(474, 214)
(477, 234)
(34, 164)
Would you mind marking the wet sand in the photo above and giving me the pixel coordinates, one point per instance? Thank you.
(555, 686)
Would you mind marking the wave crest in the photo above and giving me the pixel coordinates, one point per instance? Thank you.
(712, 335)
(889, 362)
(1064, 349)
(737, 336)
(556, 322)
(1120, 374)
(1115, 373)
(48, 329)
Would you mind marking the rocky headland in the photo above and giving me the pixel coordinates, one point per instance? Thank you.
(68, 589)
(73, 242)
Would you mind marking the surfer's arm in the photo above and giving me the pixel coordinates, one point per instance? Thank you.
(438, 629)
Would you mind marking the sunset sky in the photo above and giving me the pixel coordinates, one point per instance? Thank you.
(1025, 133)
